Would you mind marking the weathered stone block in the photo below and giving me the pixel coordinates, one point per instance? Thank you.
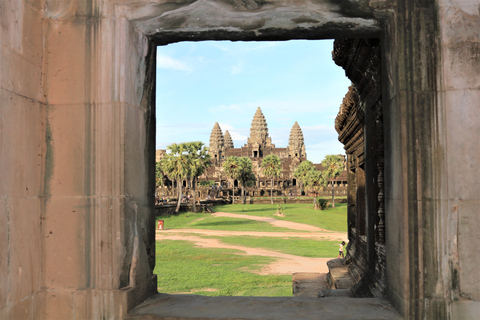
(468, 248)
(82, 308)
(24, 250)
(22, 49)
(460, 45)
(4, 253)
(465, 310)
(462, 143)
(108, 247)
(396, 264)
(22, 309)
(109, 147)
(59, 304)
(22, 122)
(67, 62)
(394, 169)
(68, 239)
(67, 128)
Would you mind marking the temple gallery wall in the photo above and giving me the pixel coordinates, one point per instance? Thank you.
(77, 130)
(259, 145)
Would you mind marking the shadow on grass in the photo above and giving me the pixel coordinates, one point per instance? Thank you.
(220, 209)
(225, 223)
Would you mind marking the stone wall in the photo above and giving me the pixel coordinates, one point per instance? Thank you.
(77, 139)
(77, 192)
(360, 127)
(25, 160)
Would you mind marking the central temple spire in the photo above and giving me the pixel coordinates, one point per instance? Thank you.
(259, 130)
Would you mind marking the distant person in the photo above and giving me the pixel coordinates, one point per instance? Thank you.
(340, 250)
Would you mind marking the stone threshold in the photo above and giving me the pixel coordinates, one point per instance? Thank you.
(183, 307)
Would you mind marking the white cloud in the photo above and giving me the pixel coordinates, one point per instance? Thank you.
(237, 134)
(226, 126)
(166, 62)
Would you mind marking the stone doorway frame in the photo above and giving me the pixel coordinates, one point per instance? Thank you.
(93, 114)
(339, 25)
(382, 23)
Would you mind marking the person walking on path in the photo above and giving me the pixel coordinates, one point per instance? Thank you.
(340, 250)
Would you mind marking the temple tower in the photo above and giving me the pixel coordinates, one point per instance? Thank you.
(296, 144)
(259, 130)
(216, 143)
(259, 138)
(228, 140)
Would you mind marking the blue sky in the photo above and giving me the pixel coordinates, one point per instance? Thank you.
(200, 83)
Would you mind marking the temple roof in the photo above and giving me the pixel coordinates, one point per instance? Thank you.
(228, 140)
(216, 138)
(259, 129)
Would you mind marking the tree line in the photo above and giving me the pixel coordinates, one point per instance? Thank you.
(183, 161)
(189, 160)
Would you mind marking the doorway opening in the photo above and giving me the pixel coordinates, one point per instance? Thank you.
(232, 104)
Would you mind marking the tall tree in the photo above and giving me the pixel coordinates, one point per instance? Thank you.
(246, 176)
(231, 167)
(315, 181)
(177, 165)
(160, 176)
(332, 168)
(240, 169)
(200, 161)
(302, 172)
(272, 168)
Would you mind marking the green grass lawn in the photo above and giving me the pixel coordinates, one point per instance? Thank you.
(334, 219)
(296, 246)
(181, 267)
(184, 268)
(189, 220)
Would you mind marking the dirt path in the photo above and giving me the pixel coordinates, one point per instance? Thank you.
(333, 236)
(285, 263)
(272, 221)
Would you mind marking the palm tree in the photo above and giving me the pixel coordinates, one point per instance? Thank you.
(178, 166)
(315, 181)
(231, 167)
(246, 176)
(272, 168)
(302, 172)
(200, 161)
(160, 176)
(333, 167)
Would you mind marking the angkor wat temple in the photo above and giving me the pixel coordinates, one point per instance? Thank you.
(258, 146)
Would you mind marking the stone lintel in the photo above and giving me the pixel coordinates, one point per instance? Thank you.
(259, 21)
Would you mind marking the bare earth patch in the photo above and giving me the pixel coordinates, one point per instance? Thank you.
(196, 290)
(285, 263)
(272, 221)
(333, 236)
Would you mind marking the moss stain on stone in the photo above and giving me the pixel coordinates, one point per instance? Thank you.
(49, 161)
